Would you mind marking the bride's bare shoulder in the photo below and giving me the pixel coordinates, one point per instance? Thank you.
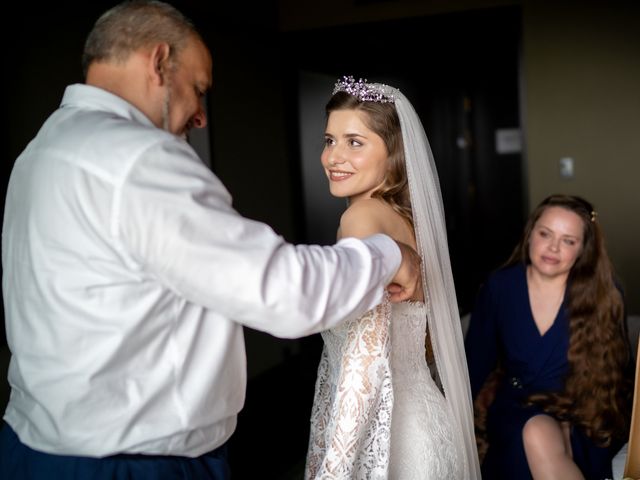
(367, 217)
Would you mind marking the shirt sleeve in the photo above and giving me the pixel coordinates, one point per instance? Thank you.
(350, 436)
(174, 219)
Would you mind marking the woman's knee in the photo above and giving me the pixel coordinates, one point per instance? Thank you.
(543, 435)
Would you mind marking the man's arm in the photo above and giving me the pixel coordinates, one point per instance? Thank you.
(406, 281)
(176, 222)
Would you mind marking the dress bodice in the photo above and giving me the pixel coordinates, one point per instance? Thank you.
(502, 330)
(408, 328)
(408, 333)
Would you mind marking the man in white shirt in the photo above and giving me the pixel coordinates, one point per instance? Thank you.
(128, 276)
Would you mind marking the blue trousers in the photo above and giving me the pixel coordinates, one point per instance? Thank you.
(19, 462)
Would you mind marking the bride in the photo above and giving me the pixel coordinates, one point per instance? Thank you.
(377, 412)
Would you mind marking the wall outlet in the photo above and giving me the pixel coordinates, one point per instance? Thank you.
(566, 168)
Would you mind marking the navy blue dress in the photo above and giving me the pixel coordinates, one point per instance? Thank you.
(502, 329)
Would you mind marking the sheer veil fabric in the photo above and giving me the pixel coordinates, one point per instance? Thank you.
(443, 317)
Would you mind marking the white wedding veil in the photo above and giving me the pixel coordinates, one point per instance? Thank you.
(439, 291)
(443, 316)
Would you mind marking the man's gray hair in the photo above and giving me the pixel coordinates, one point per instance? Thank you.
(132, 25)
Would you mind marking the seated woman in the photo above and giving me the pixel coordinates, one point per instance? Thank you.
(553, 320)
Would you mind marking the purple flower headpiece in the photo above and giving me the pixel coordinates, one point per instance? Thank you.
(365, 92)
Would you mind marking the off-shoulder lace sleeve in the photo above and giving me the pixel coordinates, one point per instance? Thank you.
(351, 416)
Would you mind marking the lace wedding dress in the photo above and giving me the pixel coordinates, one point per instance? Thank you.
(377, 412)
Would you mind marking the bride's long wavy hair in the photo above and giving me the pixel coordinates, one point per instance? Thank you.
(382, 119)
(597, 393)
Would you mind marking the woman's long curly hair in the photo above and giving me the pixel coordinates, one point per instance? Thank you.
(597, 393)
(382, 119)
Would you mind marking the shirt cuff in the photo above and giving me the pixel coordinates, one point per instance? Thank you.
(387, 251)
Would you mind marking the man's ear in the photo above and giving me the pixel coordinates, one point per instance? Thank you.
(159, 63)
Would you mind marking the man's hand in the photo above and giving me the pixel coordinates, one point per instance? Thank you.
(407, 280)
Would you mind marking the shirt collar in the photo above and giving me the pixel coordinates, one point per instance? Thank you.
(87, 96)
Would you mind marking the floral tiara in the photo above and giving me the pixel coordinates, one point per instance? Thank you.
(365, 92)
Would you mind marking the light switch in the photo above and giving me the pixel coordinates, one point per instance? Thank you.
(566, 167)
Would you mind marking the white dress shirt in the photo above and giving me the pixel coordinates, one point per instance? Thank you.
(128, 277)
